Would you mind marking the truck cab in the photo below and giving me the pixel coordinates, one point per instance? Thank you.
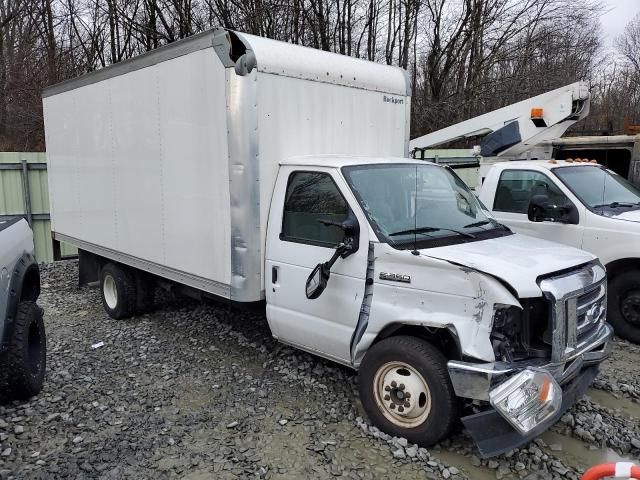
(583, 205)
(393, 267)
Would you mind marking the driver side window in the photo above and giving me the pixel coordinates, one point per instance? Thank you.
(313, 196)
(516, 187)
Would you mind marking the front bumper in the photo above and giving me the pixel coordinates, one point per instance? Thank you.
(492, 433)
(476, 380)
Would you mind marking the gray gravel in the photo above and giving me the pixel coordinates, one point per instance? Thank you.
(200, 391)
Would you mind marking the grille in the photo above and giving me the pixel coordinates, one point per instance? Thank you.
(579, 303)
(590, 309)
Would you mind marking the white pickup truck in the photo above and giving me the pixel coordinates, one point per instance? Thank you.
(581, 204)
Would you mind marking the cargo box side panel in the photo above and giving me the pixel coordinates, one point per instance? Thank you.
(197, 234)
(302, 117)
(139, 166)
(171, 165)
(79, 154)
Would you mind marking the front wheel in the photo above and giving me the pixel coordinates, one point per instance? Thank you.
(624, 305)
(405, 389)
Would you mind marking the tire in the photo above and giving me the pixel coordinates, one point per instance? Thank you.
(145, 291)
(623, 311)
(26, 357)
(118, 290)
(403, 365)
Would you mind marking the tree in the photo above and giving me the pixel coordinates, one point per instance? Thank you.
(465, 57)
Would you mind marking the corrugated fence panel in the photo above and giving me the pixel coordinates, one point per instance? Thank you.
(12, 200)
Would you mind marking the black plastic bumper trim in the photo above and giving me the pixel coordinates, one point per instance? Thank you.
(493, 435)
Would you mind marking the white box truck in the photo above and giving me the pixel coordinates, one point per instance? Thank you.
(259, 171)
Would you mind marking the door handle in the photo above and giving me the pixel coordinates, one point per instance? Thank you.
(274, 275)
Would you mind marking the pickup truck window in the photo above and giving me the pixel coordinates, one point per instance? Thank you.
(424, 205)
(516, 187)
(599, 188)
(310, 197)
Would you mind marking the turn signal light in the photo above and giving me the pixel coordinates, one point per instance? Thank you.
(537, 113)
(537, 117)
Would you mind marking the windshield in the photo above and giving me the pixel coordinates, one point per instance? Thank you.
(405, 201)
(599, 188)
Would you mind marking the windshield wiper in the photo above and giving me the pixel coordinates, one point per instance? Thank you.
(430, 229)
(617, 205)
(480, 223)
(486, 222)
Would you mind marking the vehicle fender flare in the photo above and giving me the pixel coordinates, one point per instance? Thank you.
(444, 337)
(23, 285)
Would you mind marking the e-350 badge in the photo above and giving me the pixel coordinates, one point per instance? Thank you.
(395, 277)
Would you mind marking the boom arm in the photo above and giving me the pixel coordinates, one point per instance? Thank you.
(513, 130)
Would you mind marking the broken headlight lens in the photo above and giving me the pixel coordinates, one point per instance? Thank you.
(527, 399)
(506, 317)
(507, 320)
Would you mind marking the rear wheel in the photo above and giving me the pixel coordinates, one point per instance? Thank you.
(405, 389)
(624, 305)
(118, 288)
(26, 357)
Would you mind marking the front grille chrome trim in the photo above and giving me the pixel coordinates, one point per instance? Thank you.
(571, 319)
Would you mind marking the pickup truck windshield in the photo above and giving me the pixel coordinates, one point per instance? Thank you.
(598, 188)
(424, 203)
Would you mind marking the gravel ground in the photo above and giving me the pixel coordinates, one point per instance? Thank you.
(198, 391)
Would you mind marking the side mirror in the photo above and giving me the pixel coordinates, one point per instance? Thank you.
(542, 210)
(317, 281)
(351, 230)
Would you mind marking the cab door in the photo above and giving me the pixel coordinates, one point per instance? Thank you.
(511, 203)
(296, 243)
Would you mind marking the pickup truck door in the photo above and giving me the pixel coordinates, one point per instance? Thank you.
(296, 243)
(512, 191)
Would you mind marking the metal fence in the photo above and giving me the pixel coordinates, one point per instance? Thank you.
(24, 192)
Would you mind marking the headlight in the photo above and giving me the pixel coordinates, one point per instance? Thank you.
(505, 330)
(527, 399)
(506, 318)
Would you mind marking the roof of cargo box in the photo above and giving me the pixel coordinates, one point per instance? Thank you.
(245, 52)
(281, 58)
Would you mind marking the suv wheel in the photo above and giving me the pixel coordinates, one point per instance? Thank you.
(26, 358)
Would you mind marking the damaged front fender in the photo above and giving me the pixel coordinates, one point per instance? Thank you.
(438, 294)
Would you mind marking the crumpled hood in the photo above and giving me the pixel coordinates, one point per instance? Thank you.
(516, 259)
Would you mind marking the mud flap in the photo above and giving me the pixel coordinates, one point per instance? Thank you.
(363, 317)
(493, 435)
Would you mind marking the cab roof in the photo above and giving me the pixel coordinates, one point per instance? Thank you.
(548, 164)
(339, 161)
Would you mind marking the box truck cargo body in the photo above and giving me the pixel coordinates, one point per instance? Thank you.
(255, 170)
(177, 147)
